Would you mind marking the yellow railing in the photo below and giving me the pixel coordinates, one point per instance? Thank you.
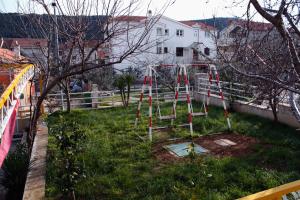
(13, 84)
(275, 193)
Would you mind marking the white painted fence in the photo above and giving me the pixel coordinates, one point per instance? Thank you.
(238, 98)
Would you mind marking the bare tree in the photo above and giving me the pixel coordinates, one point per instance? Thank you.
(77, 23)
(257, 49)
(283, 16)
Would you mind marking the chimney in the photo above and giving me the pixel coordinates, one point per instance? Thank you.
(149, 13)
(17, 50)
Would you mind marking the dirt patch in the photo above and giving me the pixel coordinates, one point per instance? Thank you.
(244, 146)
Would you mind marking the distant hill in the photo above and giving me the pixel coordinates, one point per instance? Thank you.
(16, 25)
(219, 22)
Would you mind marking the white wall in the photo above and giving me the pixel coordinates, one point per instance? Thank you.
(148, 55)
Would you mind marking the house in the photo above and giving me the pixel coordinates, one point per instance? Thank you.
(238, 32)
(169, 41)
(32, 48)
(98, 56)
(9, 67)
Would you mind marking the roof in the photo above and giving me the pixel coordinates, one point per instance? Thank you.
(24, 42)
(200, 24)
(253, 26)
(87, 44)
(7, 57)
(130, 18)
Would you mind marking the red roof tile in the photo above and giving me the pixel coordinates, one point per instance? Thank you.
(7, 56)
(25, 42)
(130, 18)
(87, 44)
(253, 26)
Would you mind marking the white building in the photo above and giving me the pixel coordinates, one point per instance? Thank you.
(239, 32)
(168, 42)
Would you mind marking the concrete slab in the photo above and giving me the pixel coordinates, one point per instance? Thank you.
(225, 142)
(183, 149)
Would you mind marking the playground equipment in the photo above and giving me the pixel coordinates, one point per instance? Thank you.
(213, 71)
(181, 75)
(150, 72)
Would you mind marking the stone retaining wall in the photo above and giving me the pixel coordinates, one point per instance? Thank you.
(36, 179)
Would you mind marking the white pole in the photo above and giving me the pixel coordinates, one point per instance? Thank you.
(188, 99)
(138, 113)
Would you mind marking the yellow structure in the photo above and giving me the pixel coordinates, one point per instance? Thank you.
(275, 193)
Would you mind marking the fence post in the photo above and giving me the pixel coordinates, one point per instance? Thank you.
(94, 96)
(113, 98)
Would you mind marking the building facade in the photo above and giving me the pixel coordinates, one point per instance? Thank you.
(168, 42)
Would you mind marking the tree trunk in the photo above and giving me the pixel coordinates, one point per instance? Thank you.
(122, 97)
(273, 106)
(37, 112)
(128, 94)
(67, 93)
(33, 123)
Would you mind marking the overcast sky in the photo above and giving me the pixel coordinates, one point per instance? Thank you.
(180, 10)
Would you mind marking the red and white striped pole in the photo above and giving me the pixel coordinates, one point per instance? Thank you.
(150, 104)
(138, 112)
(188, 98)
(177, 91)
(222, 96)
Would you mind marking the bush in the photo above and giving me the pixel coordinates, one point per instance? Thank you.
(69, 140)
(15, 168)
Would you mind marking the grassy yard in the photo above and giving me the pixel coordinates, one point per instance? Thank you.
(118, 165)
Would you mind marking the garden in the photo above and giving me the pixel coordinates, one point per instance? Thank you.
(98, 154)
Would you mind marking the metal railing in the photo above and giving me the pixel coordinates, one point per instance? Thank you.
(12, 94)
(283, 192)
(103, 99)
(231, 90)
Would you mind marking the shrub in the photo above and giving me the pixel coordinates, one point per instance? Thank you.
(15, 169)
(69, 140)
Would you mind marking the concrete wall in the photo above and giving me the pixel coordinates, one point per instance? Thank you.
(285, 114)
(36, 180)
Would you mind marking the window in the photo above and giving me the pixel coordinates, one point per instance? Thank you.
(179, 32)
(159, 31)
(159, 50)
(166, 50)
(195, 33)
(166, 31)
(206, 51)
(179, 51)
(207, 34)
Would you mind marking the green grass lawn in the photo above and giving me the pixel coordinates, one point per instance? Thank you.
(118, 165)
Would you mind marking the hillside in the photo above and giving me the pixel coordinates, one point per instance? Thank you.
(219, 22)
(16, 25)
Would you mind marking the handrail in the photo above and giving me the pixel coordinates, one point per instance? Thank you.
(13, 84)
(274, 193)
(12, 93)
